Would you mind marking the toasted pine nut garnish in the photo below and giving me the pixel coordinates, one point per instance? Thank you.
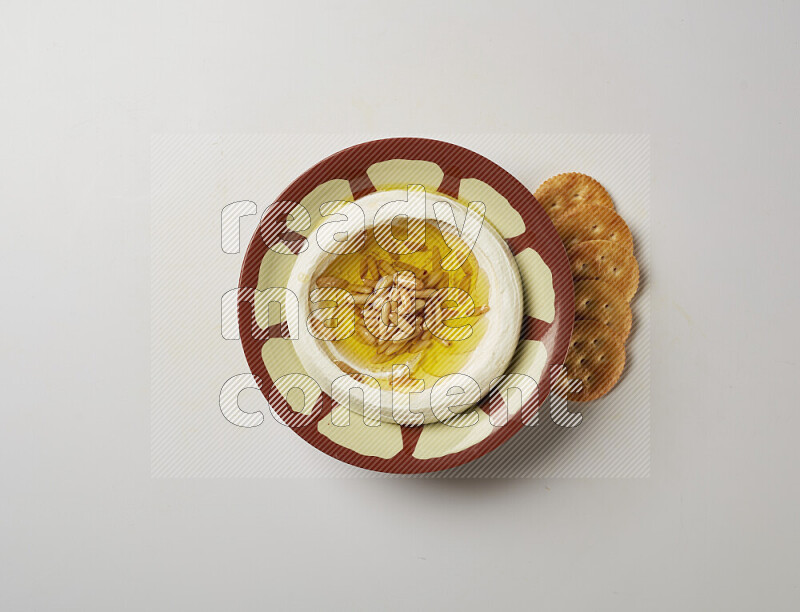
(394, 348)
(332, 281)
(406, 266)
(452, 313)
(421, 345)
(386, 311)
(434, 278)
(391, 297)
(383, 283)
(381, 358)
(417, 333)
(364, 336)
(442, 341)
(403, 329)
(385, 268)
(344, 367)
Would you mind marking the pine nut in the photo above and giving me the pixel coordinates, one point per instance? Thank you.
(331, 281)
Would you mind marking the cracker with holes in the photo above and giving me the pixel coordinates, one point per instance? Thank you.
(563, 192)
(606, 261)
(596, 358)
(600, 301)
(591, 222)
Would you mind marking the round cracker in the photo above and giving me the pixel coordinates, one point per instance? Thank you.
(606, 261)
(590, 222)
(596, 358)
(600, 301)
(562, 192)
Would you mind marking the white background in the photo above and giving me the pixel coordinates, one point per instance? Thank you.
(82, 524)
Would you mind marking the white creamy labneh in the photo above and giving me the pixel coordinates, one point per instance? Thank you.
(487, 361)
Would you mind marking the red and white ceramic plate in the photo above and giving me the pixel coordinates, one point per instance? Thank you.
(462, 175)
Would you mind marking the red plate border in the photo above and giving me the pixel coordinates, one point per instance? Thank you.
(456, 162)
